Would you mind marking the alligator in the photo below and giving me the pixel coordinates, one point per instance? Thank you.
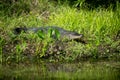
(69, 35)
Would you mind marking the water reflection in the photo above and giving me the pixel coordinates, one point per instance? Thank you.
(82, 70)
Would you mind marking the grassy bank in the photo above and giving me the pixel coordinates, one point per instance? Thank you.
(101, 29)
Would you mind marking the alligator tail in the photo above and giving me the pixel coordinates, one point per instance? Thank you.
(20, 30)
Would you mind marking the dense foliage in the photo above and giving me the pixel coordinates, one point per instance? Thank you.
(100, 27)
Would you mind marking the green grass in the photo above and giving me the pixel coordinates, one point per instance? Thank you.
(98, 25)
(100, 28)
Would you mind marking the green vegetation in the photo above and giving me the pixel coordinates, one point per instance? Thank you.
(99, 25)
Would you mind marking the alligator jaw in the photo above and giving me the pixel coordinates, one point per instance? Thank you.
(75, 36)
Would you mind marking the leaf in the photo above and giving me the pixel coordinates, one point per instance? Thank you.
(41, 34)
(50, 32)
(57, 34)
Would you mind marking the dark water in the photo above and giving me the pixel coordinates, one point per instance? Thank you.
(62, 71)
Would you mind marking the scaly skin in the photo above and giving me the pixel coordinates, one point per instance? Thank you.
(70, 35)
